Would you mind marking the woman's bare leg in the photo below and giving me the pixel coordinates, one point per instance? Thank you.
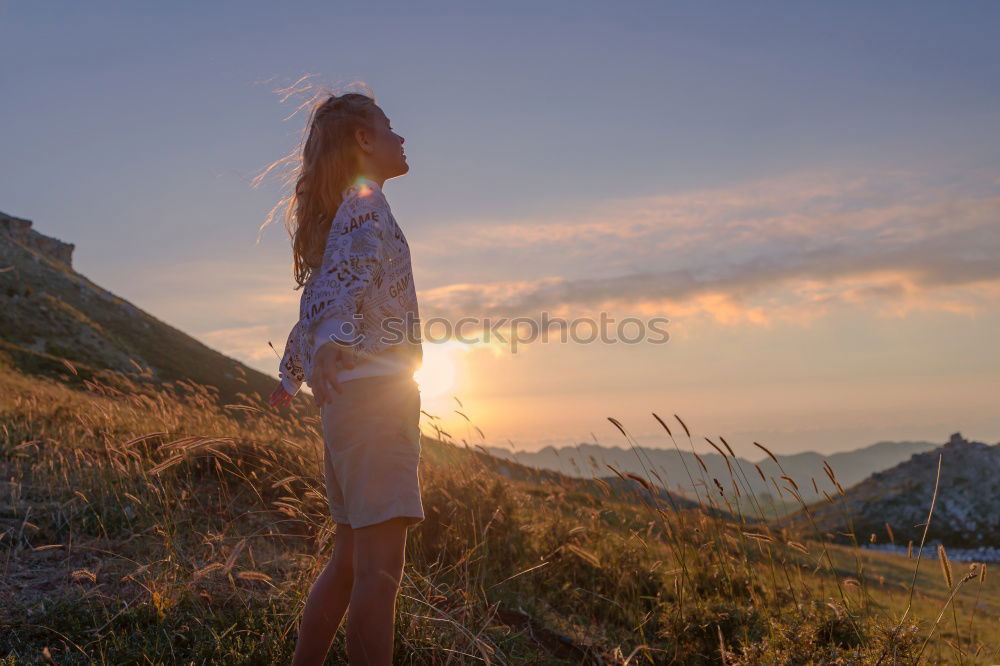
(327, 602)
(379, 551)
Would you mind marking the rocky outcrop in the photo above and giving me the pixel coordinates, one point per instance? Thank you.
(20, 231)
(966, 513)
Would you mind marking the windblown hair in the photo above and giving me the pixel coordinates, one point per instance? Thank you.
(327, 164)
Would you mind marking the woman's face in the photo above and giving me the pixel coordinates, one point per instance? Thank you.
(384, 150)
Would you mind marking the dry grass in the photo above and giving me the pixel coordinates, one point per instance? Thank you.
(158, 526)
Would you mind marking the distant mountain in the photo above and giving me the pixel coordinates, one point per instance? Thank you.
(674, 467)
(50, 312)
(625, 489)
(850, 467)
(966, 513)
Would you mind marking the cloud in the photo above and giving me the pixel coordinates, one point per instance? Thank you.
(245, 342)
(787, 247)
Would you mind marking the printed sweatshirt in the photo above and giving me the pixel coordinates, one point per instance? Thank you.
(362, 296)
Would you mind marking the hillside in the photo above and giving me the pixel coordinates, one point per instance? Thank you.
(50, 312)
(966, 513)
(149, 524)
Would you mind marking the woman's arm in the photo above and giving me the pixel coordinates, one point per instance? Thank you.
(350, 262)
(290, 369)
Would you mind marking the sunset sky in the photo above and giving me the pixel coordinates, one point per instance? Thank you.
(810, 194)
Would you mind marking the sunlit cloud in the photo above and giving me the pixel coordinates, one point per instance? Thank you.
(781, 249)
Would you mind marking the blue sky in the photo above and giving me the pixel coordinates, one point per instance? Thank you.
(809, 191)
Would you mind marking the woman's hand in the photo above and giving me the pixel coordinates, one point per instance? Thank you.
(323, 381)
(280, 397)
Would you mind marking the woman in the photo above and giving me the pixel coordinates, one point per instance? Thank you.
(353, 262)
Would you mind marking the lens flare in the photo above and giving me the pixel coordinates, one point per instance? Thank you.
(438, 372)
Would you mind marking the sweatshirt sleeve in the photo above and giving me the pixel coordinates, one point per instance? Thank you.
(350, 262)
(290, 370)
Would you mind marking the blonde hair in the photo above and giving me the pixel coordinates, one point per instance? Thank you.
(321, 168)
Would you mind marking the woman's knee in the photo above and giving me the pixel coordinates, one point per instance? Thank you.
(379, 550)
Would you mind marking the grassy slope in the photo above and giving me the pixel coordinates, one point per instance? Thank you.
(197, 543)
(50, 312)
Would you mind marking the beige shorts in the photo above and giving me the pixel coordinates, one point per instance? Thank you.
(372, 449)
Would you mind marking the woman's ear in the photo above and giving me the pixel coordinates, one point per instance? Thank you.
(364, 140)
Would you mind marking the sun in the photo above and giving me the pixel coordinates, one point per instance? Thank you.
(436, 375)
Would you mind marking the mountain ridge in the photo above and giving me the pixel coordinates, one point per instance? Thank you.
(674, 465)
